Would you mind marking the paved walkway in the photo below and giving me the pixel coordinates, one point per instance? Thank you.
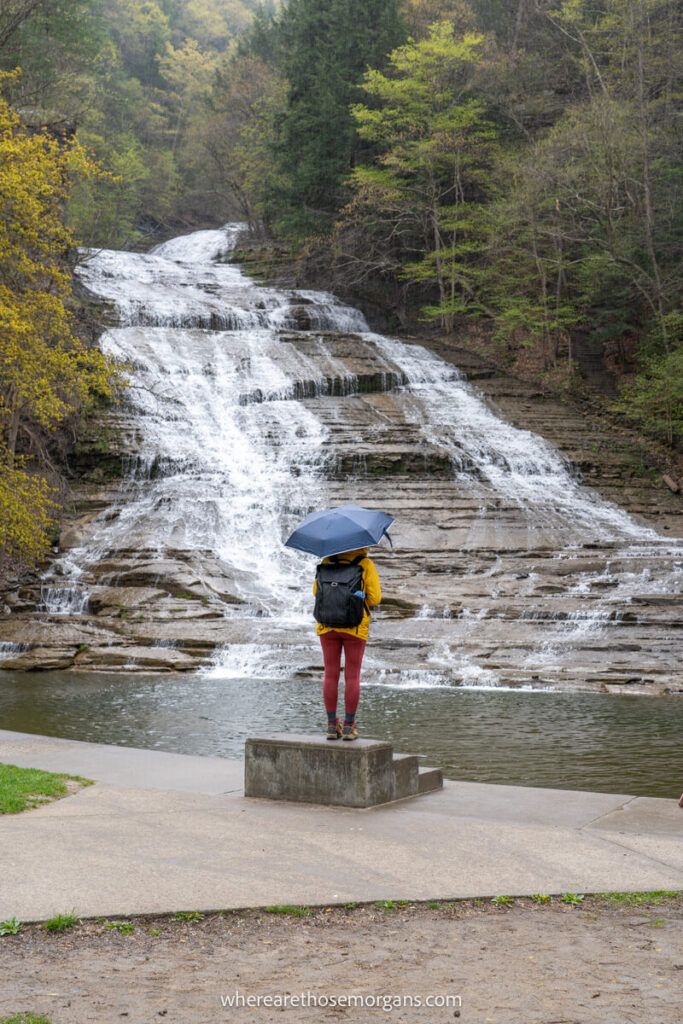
(164, 832)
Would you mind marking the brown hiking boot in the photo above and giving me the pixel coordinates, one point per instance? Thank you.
(350, 731)
(334, 729)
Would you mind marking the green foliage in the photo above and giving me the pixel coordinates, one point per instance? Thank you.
(386, 904)
(24, 788)
(247, 100)
(541, 898)
(61, 923)
(59, 48)
(435, 146)
(122, 927)
(326, 46)
(188, 916)
(132, 78)
(12, 926)
(503, 901)
(572, 899)
(47, 373)
(25, 1018)
(638, 899)
(289, 910)
(654, 397)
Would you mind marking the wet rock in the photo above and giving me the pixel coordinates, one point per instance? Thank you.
(39, 659)
(135, 657)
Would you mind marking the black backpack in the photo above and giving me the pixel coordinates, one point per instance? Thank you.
(336, 604)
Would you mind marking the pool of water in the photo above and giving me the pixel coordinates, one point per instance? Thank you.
(599, 742)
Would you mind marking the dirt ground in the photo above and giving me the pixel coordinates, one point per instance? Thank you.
(596, 963)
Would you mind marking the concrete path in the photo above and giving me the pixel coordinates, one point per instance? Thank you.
(164, 832)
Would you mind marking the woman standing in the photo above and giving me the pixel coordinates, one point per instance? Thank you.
(346, 587)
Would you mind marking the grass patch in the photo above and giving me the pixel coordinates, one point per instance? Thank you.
(289, 909)
(61, 923)
(24, 788)
(572, 898)
(122, 927)
(12, 926)
(503, 901)
(188, 915)
(638, 899)
(25, 1018)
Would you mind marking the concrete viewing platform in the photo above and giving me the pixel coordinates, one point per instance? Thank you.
(311, 769)
(162, 832)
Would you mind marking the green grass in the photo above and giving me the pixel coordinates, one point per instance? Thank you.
(12, 926)
(61, 922)
(572, 898)
(188, 915)
(25, 1018)
(24, 788)
(122, 927)
(287, 908)
(541, 897)
(637, 899)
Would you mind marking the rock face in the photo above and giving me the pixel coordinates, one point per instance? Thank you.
(517, 560)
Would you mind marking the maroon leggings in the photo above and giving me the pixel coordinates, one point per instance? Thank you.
(333, 643)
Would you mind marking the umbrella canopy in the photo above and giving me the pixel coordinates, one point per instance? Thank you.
(340, 529)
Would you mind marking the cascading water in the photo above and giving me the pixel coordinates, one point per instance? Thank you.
(234, 434)
(517, 464)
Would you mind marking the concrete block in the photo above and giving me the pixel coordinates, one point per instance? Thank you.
(429, 780)
(405, 775)
(311, 769)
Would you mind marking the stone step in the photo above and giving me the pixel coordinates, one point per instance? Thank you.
(406, 770)
(309, 769)
(429, 780)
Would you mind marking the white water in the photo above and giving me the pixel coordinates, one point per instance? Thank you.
(517, 464)
(230, 458)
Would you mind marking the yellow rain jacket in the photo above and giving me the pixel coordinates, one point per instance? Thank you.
(371, 586)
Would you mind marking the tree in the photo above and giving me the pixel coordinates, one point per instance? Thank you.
(584, 237)
(420, 15)
(433, 172)
(141, 31)
(247, 99)
(654, 397)
(46, 371)
(58, 47)
(327, 47)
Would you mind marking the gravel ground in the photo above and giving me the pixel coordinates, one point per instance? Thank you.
(596, 963)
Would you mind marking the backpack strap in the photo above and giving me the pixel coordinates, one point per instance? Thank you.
(334, 559)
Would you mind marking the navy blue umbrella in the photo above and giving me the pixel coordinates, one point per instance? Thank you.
(340, 529)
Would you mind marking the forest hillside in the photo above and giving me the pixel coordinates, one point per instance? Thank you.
(506, 173)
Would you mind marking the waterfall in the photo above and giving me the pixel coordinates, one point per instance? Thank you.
(228, 462)
(249, 406)
(517, 464)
